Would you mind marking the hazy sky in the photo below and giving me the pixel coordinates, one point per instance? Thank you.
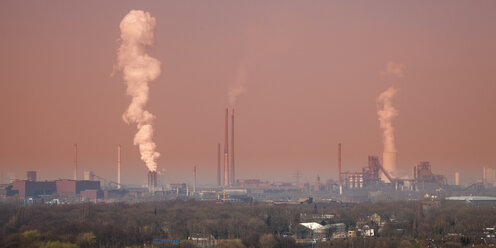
(312, 71)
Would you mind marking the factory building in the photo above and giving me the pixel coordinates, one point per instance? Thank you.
(425, 179)
(27, 188)
(489, 175)
(92, 194)
(71, 188)
(353, 180)
(369, 177)
(371, 174)
(68, 188)
(89, 175)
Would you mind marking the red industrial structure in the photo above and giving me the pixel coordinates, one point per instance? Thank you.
(218, 166)
(226, 150)
(232, 175)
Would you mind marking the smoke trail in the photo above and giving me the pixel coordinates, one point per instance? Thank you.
(238, 87)
(394, 69)
(387, 113)
(138, 68)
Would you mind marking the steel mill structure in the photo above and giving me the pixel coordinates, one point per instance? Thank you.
(375, 176)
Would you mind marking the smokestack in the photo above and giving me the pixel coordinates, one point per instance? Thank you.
(233, 180)
(152, 181)
(194, 175)
(339, 170)
(119, 166)
(75, 161)
(457, 178)
(218, 166)
(226, 150)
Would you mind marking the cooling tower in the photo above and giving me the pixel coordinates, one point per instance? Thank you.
(389, 164)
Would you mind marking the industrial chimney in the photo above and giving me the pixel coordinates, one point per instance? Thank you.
(233, 180)
(226, 150)
(75, 161)
(152, 181)
(218, 166)
(194, 175)
(339, 170)
(119, 166)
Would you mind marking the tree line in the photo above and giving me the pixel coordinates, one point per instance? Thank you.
(232, 224)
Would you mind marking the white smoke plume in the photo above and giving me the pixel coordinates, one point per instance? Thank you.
(394, 69)
(238, 87)
(387, 113)
(138, 68)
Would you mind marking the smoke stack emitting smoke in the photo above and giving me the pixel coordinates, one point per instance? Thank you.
(138, 68)
(235, 90)
(387, 113)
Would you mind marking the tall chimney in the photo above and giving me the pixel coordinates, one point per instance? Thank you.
(339, 170)
(152, 181)
(226, 150)
(119, 166)
(233, 180)
(194, 175)
(75, 161)
(218, 166)
(457, 178)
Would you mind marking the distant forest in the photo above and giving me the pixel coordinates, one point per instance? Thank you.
(407, 224)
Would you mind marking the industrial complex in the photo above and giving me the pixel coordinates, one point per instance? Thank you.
(377, 180)
(349, 186)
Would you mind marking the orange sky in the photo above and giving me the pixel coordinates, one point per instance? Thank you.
(312, 74)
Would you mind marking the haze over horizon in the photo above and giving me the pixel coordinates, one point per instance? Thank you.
(302, 78)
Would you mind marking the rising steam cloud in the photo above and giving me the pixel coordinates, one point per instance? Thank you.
(138, 68)
(394, 69)
(387, 113)
(238, 87)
